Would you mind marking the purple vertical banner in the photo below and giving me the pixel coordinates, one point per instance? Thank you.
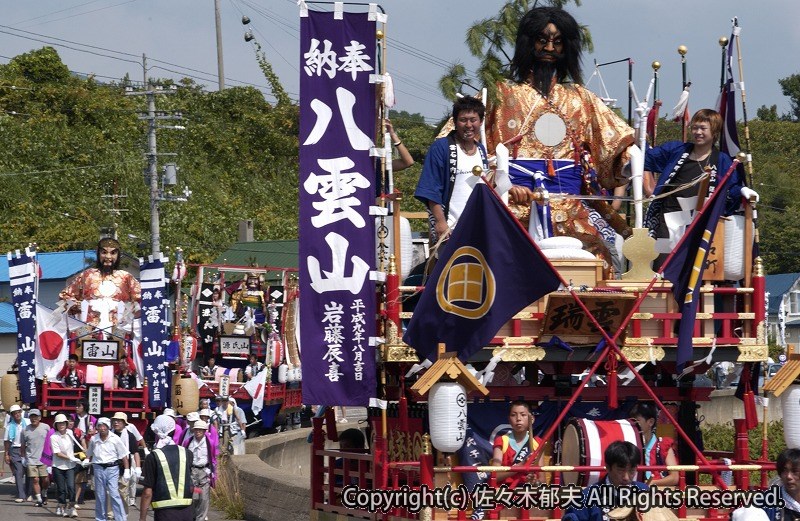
(155, 329)
(337, 236)
(22, 276)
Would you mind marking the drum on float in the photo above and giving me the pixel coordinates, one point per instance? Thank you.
(585, 441)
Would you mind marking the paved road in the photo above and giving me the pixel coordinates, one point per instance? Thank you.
(11, 511)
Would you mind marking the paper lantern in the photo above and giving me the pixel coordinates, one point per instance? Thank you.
(447, 415)
(283, 371)
(9, 390)
(189, 348)
(185, 394)
(406, 244)
(790, 403)
(275, 353)
(734, 247)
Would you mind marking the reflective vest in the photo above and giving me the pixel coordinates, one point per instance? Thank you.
(172, 492)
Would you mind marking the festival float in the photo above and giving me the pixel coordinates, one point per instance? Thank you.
(159, 337)
(581, 346)
(241, 310)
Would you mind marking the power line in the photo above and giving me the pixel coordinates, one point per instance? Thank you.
(56, 12)
(88, 12)
(68, 47)
(69, 41)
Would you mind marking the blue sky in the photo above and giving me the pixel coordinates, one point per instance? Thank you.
(423, 36)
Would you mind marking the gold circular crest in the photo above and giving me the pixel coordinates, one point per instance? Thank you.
(466, 286)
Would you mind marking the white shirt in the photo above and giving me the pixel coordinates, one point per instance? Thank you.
(61, 443)
(106, 451)
(199, 450)
(464, 183)
(17, 441)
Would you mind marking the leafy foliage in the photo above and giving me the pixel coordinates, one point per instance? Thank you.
(72, 144)
(791, 88)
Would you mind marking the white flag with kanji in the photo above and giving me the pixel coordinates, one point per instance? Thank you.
(256, 389)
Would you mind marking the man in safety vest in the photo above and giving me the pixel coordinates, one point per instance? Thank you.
(167, 481)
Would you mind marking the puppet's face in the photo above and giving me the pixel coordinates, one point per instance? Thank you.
(109, 258)
(548, 45)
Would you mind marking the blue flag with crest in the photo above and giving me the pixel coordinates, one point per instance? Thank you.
(685, 268)
(488, 271)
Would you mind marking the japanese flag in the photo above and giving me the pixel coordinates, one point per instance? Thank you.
(52, 345)
(256, 389)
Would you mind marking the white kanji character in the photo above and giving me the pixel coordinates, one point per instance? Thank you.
(346, 101)
(355, 60)
(335, 280)
(320, 60)
(336, 189)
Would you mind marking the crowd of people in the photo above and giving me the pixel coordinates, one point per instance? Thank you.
(111, 455)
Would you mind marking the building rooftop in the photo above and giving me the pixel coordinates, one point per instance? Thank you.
(57, 265)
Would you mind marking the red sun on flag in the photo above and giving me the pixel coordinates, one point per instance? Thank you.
(50, 344)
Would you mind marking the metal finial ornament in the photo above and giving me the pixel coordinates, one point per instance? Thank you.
(477, 170)
(379, 34)
(723, 41)
(656, 65)
(682, 50)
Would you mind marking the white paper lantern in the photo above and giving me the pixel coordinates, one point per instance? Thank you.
(447, 415)
(406, 245)
(283, 371)
(790, 403)
(734, 247)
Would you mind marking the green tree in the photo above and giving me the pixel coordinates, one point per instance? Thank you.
(790, 86)
(492, 40)
(765, 113)
(72, 144)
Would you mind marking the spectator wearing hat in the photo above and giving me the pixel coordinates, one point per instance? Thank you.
(213, 432)
(162, 484)
(62, 444)
(33, 440)
(177, 434)
(191, 418)
(128, 487)
(204, 464)
(12, 440)
(105, 452)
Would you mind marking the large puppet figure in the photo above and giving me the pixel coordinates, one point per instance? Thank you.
(103, 295)
(564, 140)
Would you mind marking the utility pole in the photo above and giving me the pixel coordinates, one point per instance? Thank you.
(152, 165)
(152, 178)
(220, 67)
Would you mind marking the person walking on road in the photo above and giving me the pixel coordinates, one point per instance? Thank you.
(167, 481)
(63, 443)
(33, 439)
(13, 443)
(105, 453)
